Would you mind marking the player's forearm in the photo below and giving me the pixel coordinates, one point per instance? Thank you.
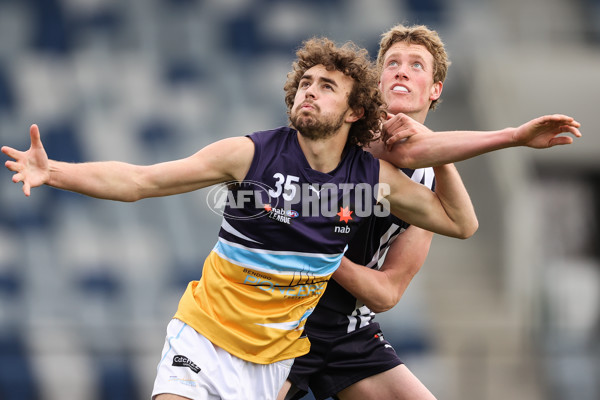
(371, 287)
(110, 180)
(455, 200)
(381, 289)
(438, 148)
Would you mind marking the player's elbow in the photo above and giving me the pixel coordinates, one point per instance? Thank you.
(382, 303)
(468, 229)
(380, 307)
(130, 198)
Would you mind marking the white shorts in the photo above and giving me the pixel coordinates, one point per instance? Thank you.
(191, 366)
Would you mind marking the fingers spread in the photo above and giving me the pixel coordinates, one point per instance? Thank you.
(9, 151)
(13, 166)
(34, 133)
(16, 178)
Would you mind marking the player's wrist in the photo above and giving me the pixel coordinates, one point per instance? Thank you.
(511, 137)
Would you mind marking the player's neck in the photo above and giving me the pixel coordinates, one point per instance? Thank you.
(323, 155)
(419, 115)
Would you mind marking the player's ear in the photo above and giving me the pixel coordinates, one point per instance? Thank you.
(355, 114)
(436, 90)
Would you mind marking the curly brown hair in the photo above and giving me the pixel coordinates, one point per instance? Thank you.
(354, 62)
(420, 35)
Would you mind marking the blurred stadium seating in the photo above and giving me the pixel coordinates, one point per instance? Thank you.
(87, 287)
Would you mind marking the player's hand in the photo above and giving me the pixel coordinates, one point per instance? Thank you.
(543, 132)
(31, 166)
(400, 127)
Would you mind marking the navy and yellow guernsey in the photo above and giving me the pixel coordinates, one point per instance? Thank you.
(284, 232)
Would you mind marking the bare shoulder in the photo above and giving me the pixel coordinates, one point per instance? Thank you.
(237, 143)
(232, 156)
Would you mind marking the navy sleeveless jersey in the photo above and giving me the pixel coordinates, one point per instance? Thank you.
(284, 232)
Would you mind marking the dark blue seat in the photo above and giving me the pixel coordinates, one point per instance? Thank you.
(7, 95)
(17, 380)
(117, 380)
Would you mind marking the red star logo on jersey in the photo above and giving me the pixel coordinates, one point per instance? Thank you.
(345, 214)
(268, 207)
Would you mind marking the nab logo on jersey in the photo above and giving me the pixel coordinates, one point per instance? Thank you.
(341, 229)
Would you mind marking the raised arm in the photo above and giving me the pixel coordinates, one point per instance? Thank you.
(225, 160)
(447, 211)
(380, 290)
(409, 144)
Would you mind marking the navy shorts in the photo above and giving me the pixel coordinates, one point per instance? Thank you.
(335, 363)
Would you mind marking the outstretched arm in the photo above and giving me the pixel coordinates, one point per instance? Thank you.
(380, 290)
(409, 144)
(228, 159)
